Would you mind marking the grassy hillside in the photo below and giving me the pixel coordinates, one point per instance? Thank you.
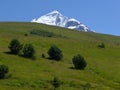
(101, 73)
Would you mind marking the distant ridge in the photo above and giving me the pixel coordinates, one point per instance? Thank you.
(55, 18)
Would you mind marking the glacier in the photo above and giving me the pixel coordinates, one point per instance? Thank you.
(55, 18)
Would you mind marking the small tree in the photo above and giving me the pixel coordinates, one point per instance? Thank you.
(43, 55)
(3, 71)
(102, 45)
(28, 51)
(79, 62)
(55, 53)
(15, 46)
(56, 83)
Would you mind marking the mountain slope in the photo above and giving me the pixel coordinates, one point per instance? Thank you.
(101, 73)
(57, 19)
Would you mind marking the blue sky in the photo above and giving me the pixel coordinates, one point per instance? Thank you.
(103, 16)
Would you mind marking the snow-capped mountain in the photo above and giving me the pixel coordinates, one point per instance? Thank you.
(57, 19)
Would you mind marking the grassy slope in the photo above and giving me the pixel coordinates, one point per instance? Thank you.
(102, 72)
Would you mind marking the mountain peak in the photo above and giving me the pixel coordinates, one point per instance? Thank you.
(57, 19)
(55, 11)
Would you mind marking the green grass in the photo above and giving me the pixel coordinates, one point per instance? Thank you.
(102, 71)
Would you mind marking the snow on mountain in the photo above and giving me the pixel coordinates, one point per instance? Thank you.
(57, 19)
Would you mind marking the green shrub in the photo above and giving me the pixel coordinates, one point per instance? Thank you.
(45, 33)
(43, 55)
(102, 45)
(3, 71)
(26, 34)
(56, 83)
(79, 62)
(28, 51)
(55, 53)
(42, 33)
(15, 46)
(87, 86)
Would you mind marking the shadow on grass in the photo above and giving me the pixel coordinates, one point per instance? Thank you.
(72, 68)
(32, 57)
(9, 53)
(20, 55)
(51, 59)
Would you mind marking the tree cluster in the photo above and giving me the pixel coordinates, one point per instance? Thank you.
(54, 53)
(27, 50)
